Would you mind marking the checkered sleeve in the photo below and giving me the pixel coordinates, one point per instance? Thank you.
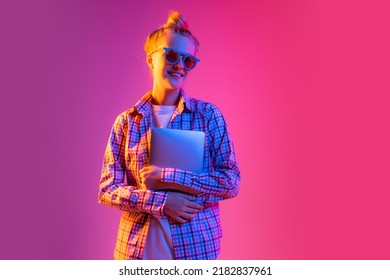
(112, 189)
(224, 181)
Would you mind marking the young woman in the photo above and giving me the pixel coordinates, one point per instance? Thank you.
(168, 213)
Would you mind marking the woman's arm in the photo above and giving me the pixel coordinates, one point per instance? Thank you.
(222, 183)
(112, 189)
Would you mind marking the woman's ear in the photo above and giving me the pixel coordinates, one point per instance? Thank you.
(149, 61)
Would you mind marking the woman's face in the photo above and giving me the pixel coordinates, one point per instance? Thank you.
(166, 76)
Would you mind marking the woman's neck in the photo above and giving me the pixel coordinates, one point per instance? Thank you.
(165, 97)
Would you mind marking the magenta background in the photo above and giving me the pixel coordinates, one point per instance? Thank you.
(304, 86)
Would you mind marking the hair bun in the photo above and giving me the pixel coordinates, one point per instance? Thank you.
(175, 23)
(176, 20)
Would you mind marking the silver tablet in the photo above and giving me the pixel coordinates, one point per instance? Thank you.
(177, 148)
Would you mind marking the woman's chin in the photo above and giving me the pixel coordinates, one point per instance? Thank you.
(175, 85)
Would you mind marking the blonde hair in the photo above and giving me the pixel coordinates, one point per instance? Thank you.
(175, 23)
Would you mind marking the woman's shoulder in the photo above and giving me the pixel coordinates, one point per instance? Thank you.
(123, 118)
(204, 106)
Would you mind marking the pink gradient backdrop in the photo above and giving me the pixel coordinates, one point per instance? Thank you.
(304, 86)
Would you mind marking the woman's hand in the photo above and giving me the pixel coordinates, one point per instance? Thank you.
(150, 177)
(180, 207)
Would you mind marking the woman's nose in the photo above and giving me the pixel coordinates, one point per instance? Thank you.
(179, 63)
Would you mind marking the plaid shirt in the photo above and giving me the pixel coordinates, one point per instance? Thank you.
(128, 151)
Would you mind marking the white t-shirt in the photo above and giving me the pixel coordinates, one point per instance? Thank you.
(159, 239)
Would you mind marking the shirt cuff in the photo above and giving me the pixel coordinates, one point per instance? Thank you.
(159, 201)
(177, 176)
(151, 202)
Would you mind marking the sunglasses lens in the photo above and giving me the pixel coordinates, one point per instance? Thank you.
(171, 56)
(189, 62)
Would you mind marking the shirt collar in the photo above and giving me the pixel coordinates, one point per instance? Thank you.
(144, 105)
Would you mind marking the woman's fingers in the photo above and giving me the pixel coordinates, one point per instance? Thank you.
(181, 207)
(194, 205)
(179, 219)
(184, 217)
